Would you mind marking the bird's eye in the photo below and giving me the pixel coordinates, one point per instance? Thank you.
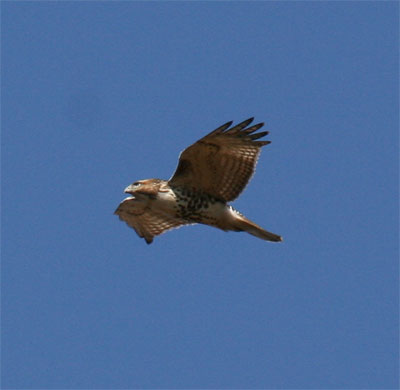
(136, 183)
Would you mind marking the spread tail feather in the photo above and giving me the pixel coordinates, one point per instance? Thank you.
(244, 224)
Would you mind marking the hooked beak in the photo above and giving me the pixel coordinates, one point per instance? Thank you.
(129, 190)
(134, 193)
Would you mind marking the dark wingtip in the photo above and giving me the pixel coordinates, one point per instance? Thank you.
(227, 125)
(253, 128)
(262, 143)
(222, 128)
(239, 127)
(258, 135)
(247, 121)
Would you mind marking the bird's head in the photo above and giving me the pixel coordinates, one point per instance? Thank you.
(143, 189)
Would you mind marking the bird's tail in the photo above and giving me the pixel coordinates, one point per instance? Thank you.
(243, 224)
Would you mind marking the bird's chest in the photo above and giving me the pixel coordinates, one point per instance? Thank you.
(196, 206)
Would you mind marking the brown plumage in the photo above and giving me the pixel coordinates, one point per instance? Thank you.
(211, 172)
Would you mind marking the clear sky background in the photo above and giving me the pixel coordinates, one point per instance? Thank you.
(96, 95)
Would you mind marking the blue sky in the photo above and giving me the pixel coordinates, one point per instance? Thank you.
(96, 95)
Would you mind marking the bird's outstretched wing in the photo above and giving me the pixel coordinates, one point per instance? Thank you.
(145, 221)
(222, 162)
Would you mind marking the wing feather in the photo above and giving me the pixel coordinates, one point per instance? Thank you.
(145, 221)
(221, 163)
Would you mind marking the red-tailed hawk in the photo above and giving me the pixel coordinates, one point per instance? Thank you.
(210, 173)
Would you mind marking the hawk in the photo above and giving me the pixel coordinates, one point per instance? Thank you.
(210, 173)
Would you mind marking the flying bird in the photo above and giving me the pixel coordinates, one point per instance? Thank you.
(210, 173)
